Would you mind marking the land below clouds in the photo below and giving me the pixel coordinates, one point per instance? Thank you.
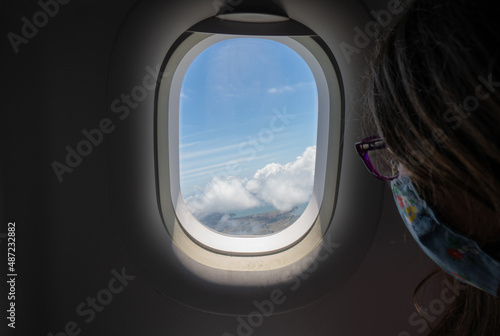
(250, 225)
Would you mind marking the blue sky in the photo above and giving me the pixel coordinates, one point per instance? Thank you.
(232, 97)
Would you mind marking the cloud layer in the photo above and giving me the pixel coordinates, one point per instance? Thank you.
(282, 186)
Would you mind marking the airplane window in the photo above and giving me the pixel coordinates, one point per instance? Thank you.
(248, 136)
(248, 120)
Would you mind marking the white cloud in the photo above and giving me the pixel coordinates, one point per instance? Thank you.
(280, 89)
(285, 186)
(190, 144)
(289, 88)
(222, 195)
(282, 186)
(207, 152)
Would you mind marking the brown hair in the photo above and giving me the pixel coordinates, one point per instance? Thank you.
(433, 94)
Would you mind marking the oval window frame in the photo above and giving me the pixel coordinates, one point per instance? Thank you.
(327, 147)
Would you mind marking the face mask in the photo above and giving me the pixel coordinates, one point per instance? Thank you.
(458, 255)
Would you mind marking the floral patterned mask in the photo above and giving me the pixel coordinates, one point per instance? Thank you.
(458, 255)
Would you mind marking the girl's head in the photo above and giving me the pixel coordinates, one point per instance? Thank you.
(434, 96)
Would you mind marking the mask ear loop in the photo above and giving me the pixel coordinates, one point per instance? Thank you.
(394, 167)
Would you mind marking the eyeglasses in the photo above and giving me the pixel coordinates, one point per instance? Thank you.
(379, 160)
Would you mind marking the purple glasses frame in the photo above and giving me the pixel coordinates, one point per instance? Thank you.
(366, 145)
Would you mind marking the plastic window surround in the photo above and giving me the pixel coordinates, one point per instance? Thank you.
(168, 146)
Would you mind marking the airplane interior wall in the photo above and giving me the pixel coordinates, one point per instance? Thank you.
(77, 272)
